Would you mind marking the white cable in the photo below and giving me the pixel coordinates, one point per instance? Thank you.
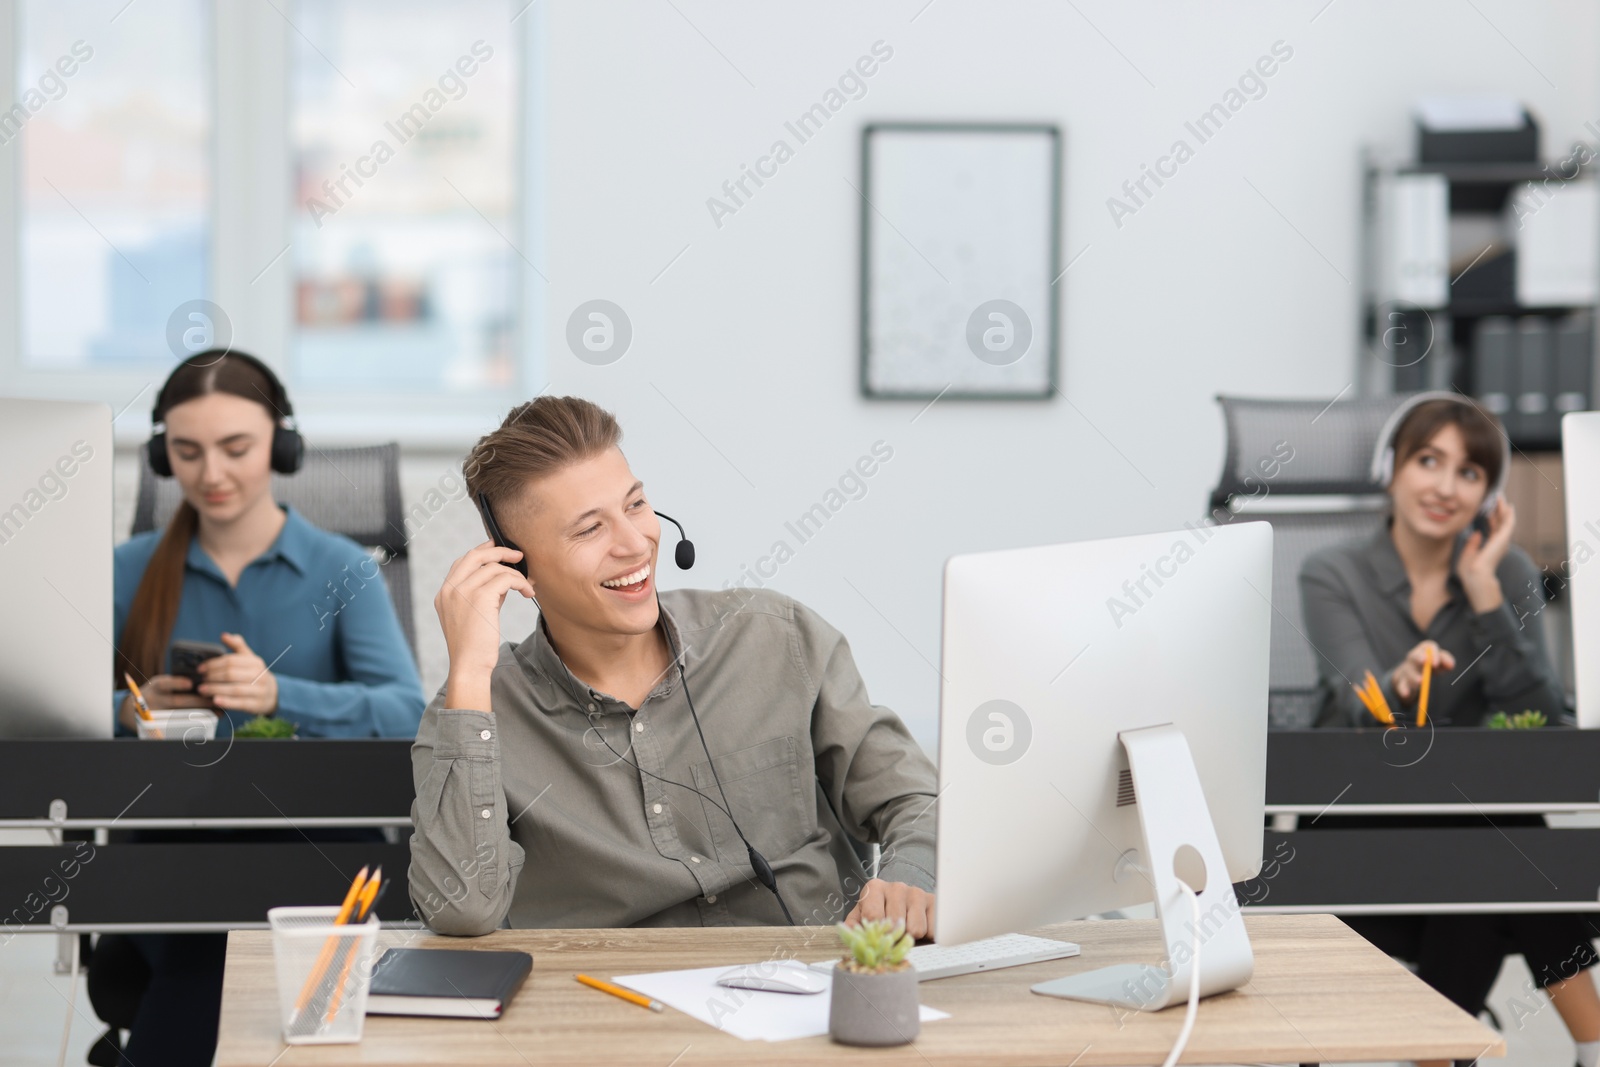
(1194, 982)
(72, 1004)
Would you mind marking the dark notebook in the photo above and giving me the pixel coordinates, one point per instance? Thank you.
(446, 981)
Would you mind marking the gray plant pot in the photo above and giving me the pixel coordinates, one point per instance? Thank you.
(874, 1009)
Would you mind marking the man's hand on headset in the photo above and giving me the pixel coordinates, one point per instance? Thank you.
(896, 902)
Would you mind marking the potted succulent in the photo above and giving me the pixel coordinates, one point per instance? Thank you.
(874, 987)
(265, 726)
(1522, 720)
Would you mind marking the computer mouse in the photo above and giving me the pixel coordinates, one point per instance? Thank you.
(775, 976)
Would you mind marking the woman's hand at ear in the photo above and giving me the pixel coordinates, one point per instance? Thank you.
(240, 680)
(1480, 557)
(468, 606)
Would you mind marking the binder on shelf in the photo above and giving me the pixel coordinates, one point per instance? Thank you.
(1556, 227)
(1574, 363)
(1413, 240)
(1493, 363)
(1534, 417)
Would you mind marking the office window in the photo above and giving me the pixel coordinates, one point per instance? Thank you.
(402, 140)
(110, 133)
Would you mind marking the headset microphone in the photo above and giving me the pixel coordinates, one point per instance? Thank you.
(683, 555)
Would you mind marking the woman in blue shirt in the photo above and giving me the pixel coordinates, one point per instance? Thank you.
(311, 634)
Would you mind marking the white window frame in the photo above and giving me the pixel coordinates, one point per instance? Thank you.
(251, 222)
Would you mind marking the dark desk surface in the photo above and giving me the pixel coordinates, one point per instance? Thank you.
(1468, 769)
(279, 822)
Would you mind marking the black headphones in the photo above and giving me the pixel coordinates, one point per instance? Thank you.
(683, 556)
(288, 447)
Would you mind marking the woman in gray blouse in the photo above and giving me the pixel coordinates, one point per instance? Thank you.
(1443, 577)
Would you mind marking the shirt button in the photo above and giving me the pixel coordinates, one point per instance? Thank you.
(694, 859)
(488, 812)
(638, 727)
(484, 735)
(591, 707)
(656, 809)
(712, 899)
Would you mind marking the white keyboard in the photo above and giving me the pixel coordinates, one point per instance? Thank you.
(990, 954)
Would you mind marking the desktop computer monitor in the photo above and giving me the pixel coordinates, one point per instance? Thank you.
(55, 569)
(1103, 733)
(1580, 470)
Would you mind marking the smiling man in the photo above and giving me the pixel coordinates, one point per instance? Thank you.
(644, 759)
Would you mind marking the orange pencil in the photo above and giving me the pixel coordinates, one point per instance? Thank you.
(617, 991)
(364, 905)
(1422, 694)
(138, 697)
(140, 706)
(319, 971)
(1372, 696)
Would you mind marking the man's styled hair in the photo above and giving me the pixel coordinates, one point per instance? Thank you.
(536, 439)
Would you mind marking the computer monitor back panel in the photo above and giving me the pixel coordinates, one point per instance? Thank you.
(1050, 652)
(55, 569)
(1580, 452)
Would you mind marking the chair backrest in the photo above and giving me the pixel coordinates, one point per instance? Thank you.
(1332, 445)
(350, 491)
(1321, 496)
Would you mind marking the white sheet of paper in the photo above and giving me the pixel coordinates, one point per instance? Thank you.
(748, 1014)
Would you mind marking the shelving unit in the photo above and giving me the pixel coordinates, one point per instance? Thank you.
(1428, 345)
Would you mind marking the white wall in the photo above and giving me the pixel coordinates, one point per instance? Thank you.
(739, 396)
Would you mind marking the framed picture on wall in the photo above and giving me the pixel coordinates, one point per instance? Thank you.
(960, 227)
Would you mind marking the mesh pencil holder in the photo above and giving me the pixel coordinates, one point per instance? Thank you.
(323, 973)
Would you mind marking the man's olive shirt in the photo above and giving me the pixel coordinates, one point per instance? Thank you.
(568, 808)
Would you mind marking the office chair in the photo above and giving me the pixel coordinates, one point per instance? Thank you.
(350, 491)
(1321, 496)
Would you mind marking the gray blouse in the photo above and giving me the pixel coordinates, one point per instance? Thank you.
(1356, 598)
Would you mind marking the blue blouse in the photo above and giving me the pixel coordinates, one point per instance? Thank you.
(316, 610)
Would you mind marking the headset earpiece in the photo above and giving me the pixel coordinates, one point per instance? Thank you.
(493, 529)
(155, 451)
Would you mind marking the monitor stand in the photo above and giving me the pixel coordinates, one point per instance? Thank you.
(1172, 813)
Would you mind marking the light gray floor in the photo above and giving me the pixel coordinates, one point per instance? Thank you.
(33, 1006)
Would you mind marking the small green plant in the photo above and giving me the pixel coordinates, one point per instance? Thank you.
(875, 946)
(1522, 720)
(261, 726)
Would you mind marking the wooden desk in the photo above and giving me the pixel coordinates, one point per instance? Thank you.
(1320, 993)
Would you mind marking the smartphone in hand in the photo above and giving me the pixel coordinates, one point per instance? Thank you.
(185, 658)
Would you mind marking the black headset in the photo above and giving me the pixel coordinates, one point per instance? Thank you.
(683, 556)
(288, 447)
